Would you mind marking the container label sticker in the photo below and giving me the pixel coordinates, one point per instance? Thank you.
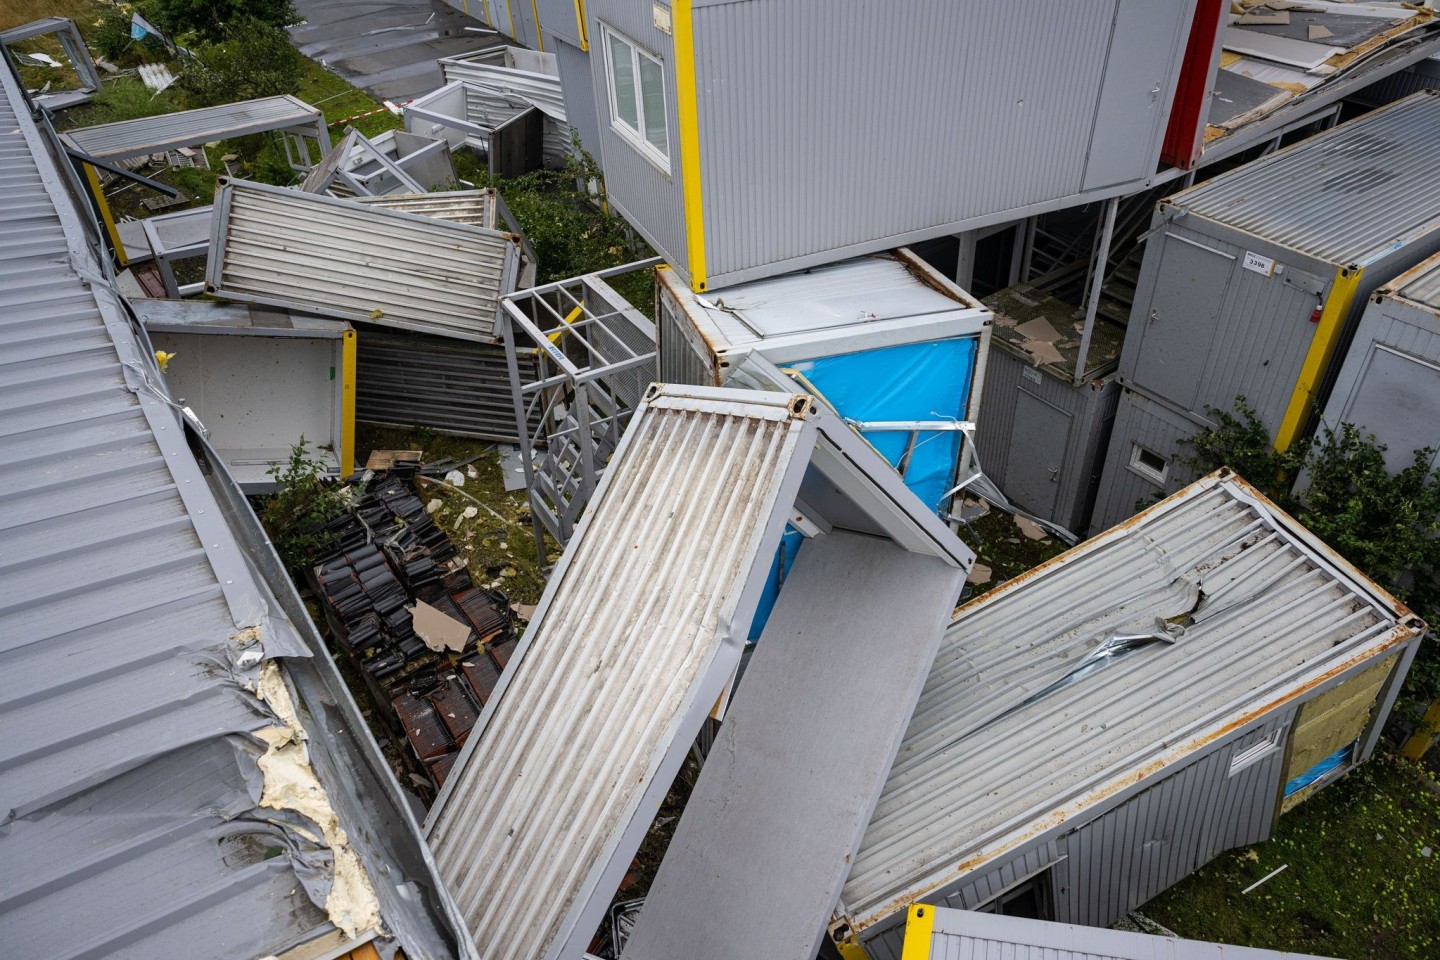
(1253, 261)
(1031, 374)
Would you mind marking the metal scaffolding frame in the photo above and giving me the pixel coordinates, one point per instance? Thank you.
(595, 357)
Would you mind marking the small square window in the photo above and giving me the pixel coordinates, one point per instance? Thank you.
(636, 82)
(1149, 464)
(1256, 752)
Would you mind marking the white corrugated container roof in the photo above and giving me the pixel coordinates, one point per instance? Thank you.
(1267, 609)
(893, 292)
(967, 935)
(1346, 196)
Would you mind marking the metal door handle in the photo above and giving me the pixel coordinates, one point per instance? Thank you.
(1152, 318)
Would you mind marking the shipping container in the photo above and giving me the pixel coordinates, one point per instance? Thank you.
(1098, 729)
(1145, 458)
(260, 379)
(1389, 384)
(888, 342)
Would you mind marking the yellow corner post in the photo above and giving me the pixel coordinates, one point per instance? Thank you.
(1423, 738)
(581, 29)
(687, 107)
(535, 9)
(570, 318)
(105, 216)
(347, 403)
(1317, 358)
(509, 12)
(919, 932)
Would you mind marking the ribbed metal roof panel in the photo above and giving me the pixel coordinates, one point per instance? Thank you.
(135, 138)
(339, 258)
(629, 626)
(1345, 196)
(475, 207)
(1267, 609)
(1422, 284)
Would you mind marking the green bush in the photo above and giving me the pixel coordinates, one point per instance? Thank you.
(110, 37)
(295, 515)
(254, 59)
(210, 20)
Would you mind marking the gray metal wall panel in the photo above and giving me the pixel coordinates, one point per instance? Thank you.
(1374, 383)
(650, 199)
(578, 83)
(1422, 285)
(1143, 420)
(408, 379)
(557, 21)
(681, 358)
(1092, 407)
(1424, 75)
(1163, 834)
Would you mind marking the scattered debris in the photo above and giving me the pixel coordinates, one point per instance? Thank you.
(1273, 873)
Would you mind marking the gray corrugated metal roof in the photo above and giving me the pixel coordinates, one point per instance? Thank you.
(1271, 609)
(967, 935)
(135, 138)
(1345, 196)
(324, 255)
(135, 642)
(1421, 284)
(476, 207)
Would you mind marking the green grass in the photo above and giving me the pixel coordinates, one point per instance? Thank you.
(338, 98)
(1359, 884)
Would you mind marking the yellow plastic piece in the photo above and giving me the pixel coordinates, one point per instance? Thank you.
(687, 107)
(919, 932)
(1322, 347)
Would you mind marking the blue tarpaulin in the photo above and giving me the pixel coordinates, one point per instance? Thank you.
(1332, 762)
(914, 381)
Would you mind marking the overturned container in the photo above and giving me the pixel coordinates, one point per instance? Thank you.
(897, 349)
(1098, 729)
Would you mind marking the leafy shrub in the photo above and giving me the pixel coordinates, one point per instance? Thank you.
(110, 36)
(209, 20)
(296, 514)
(253, 59)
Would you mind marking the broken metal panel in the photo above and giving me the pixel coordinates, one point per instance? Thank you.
(137, 138)
(503, 82)
(141, 652)
(475, 207)
(70, 40)
(638, 634)
(1268, 617)
(941, 933)
(360, 167)
(287, 248)
(789, 795)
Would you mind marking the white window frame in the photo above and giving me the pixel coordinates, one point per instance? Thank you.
(1138, 464)
(636, 138)
(1257, 751)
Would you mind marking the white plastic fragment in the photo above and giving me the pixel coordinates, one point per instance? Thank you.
(455, 478)
(432, 506)
(470, 513)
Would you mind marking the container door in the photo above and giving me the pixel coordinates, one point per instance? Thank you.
(1184, 313)
(1037, 454)
(1137, 89)
(1393, 382)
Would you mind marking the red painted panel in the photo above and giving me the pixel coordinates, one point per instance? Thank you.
(1185, 133)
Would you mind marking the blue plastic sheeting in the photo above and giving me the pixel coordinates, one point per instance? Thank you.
(790, 544)
(914, 381)
(1336, 760)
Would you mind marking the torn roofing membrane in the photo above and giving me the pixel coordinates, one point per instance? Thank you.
(159, 796)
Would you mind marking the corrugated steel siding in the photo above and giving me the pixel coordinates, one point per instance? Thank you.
(133, 138)
(1163, 834)
(1345, 196)
(1092, 408)
(1143, 420)
(652, 200)
(494, 93)
(1424, 75)
(417, 380)
(1256, 345)
(578, 82)
(338, 258)
(887, 120)
(958, 788)
(681, 358)
(626, 631)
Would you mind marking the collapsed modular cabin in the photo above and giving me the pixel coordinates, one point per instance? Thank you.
(942, 933)
(1096, 730)
(1389, 384)
(639, 634)
(1253, 282)
(260, 380)
(182, 771)
(67, 35)
(891, 345)
(959, 130)
(1048, 411)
